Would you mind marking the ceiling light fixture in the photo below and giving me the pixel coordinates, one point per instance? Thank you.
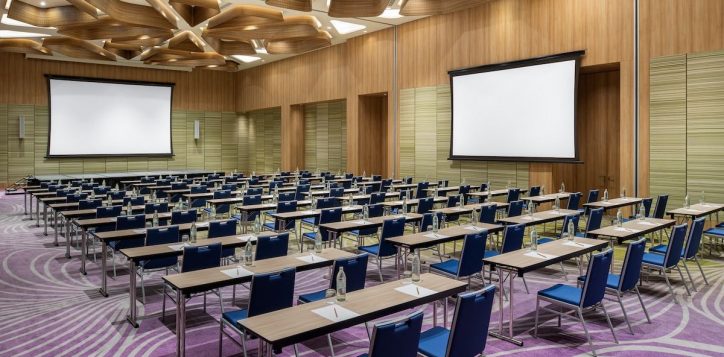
(42, 4)
(19, 34)
(344, 27)
(391, 13)
(12, 22)
(246, 59)
(7, 4)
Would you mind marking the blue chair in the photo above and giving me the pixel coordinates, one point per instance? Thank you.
(646, 202)
(287, 196)
(374, 210)
(283, 207)
(199, 189)
(134, 201)
(671, 258)
(574, 201)
(229, 187)
(300, 191)
(589, 297)
(513, 195)
(595, 216)
(223, 229)
(617, 284)
(89, 204)
(488, 213)
(254, 191)
(464, 190)
(534, 191)
(398, 337)
(123, 223)
(272, 246)
(220, 209)
(117, 195)
(355, 269)
(426, 225)
(691, 248)
(383, 250)
(660, 209)
(425, 204)
(564, 229)
(327, 216)
(336, 192)
(76, 197)
(322, 203)
(471, 259)
(515, 208)
(156, 207)
(452, 201)
(421, 191)
(376, 198)
(183, 217)
(592, 197)
(99, 191)
(197, 258)
(512, 240)
(469, 330)
(158, 236)
(251, 215)
(269, 292)
(104, 212)
(385, 185)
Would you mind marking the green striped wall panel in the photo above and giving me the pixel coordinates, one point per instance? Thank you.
(446, 169)
(3, 143)
(43, 166)
(325, 140)
(264, 140)
(310, 138)
(178, 140)
(21, 152)
(243, 144)
(195, 147)
(229, 141)
(425, 126)
(212, 141)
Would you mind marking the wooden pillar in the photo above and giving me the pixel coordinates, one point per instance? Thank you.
(292, 137)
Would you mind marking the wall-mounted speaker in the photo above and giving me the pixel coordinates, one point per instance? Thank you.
(21, 127)
(197, 129)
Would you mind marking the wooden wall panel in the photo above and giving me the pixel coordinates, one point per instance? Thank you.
(3, 143)
(229, 141)
(373, 124)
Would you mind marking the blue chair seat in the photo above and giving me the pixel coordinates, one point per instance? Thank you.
(654, 259)
(661, 249)
(433, 342)
(721, 225)
(448, 266)
(545, 240)
(490, 253)
(611, 282)
(311, 236)
(271, 226)
(312, 297)
(581, 234)
(234, 316)
(371, 249)
(715, 231)
(565, 293)
(308, 221)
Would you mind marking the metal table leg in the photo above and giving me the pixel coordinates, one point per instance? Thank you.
(180, 324)
(83, 249)
(104, 285)
(45, 218)
(500, 334)
(397, 259)
(55, 226)
(67, 238)
(25, 201)
(37, 212)
(30, 200)
(132, 308)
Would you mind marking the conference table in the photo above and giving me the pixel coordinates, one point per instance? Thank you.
(407, 186)
(468, 209)
(282, 218)
(541, 199)
(521, 261)
(337, 229)
(541, 217)
(70, 210)
(305, 321)
(447, 189)
(389, 205)
(614, 203)
(697, 211)
(189, 283)
(493, 193)
(630, 230)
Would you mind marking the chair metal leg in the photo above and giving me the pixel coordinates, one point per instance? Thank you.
(163, 305)
(367, 328)
(642, 304)
(610, 325)
(701, 270)
(693, 286)
(331, 347)
(379, 268)
(296, 350)
(243, 343)
(683, 280)
(563, 270)
(623, 310)
(535, 330)
(525, 284)
(671, 290)
(113, 258)
(143, 289)
(585, 329)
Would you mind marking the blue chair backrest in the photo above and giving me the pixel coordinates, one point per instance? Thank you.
(87, 186)
(76, 197)
(595, 285)
(181, 217)
(131, 222)
(661, 206)
(179, 185)
(487, 213)
(108, 211)
(390, 228)
(89, 204)
(483, 187)
(274, 184)
(376, 210)
(564, 228)
(464, 190)
(407, 180)
(117, 195)
(336, 192)
(62, 193)
(471, 258)
(452, 201)
(595, 216)
(694, 240)
(631, 270)
(676, 243)
(201, 257)
(222, 194)
(162, 235)
(272, 246)
(156, 207)
(135, 201)
(199, 189)
(250, 200)
(592, 196)
(287, 196)
(376, 198)
(229, 187)
(421, 191)
(399, 337)
(515, 208)
(254, 191)
(469, 330)
(331, 215)
(222, 228)
(271, 292)
(327, 202)
(574, 200)
(376, 177)
(534, 191)
(647, 205)
(513, 195)
(301, 189)
(424, 205)
(286, 207)
(100, 190)
(513, 237)
(426, 221)
(355, 269)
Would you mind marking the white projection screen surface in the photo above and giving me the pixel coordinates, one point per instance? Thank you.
(90, 117)
(517, 111)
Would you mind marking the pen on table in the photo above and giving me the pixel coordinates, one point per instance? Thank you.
(542, 256)
(335, 312)
(418, 290)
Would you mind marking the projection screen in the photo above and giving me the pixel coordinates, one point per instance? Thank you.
(98, 117)
(516, 111)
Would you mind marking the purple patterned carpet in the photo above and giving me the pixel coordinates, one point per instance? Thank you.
(47, 308)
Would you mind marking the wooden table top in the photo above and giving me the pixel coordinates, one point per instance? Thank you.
(524, 260)
(697, 210)
(494, 193)
(614, 203)
(539, 217)
(449, 234)
(203, 280)
(313, 213)
(410, 185)
(548, 198)
(412, 202)
(164, 250)
(93, 222)
(632, 229)
(468, 208)
(355, 224)
(364, 197)
(133, 233)
(326, 192)
(301, 323)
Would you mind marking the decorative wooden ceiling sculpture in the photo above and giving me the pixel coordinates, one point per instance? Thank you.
(299, 44)
(73, 47)
(108, 28)
(123, 50)
(292, 26)
(186, 41)
(135, 14)
(47, 17)
(21, 45)
(196, 11)
(170, 57)
(299, 5)
(436, 7)
(358, 8)
(229, 66)
(230, 47)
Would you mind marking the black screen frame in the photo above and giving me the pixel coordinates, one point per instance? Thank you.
(560, 57)
(49, 77)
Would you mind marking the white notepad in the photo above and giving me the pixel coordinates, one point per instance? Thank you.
(645, 223)
(627, 230)
(237, 272)
(692, 210)
(435, 235)
(474, 228)
(178, 247)
(457, 209)
(553, 212)
(528, 218)
(539, 255)
(415, 290)
(576, 244)
(312, 258)
(360, 222)
(248, 237)
(309, 212)
(335, 313)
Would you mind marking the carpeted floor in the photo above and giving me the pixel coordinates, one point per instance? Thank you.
(47, 308)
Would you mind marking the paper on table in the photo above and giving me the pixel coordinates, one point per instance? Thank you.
(691, 210)
(360, 222)
(645, 223)
(435, 235)
(474, 228)
(457, 209)
(237, 272)
(335, 313)
(576, 244)
(528, 218)
(248, 237)
(540, 255)
(178, 247)
(552, 212)
(309, 212)
(415, 290)
(627, 230)
(312, 258)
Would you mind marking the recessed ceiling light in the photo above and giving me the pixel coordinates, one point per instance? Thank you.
(8, 21)
(246, 59)
(19, 34)
(390, 13)
(344, 28)
(7, 4)
(42, 3)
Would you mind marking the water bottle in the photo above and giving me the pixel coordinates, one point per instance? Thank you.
(475, 216)
(490, 195)
(508, 186)
(102, 183)
(314, 203)
(533, 239)
(192, 233)
(415, 276)
(276, 194)
(212, 212)
(557, 204)
(364, 173)
(129, 208)
(154, 222)
(350, 200)
(317, 242)
(686, 201)
(93, 194)
(109, 201)
(404, 205)
(701, 199)
(571, 230)
(531, 209)
(248, 255)
(117, 188)
(461, 200)
(185, 177)
(435, 223)
(605, 195)
(543, 190)
(623, 192)
(642, 212)
(365, 212)
(257, 225)
(563, 187)
(153, 196)
(341, 285)
(619, 218)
